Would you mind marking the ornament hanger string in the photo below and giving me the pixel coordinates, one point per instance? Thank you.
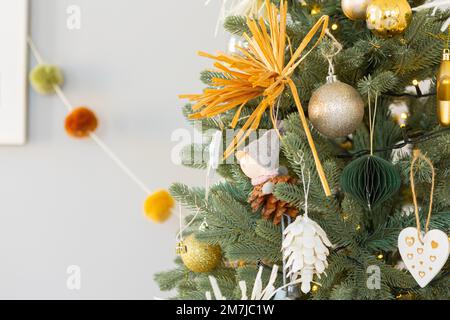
(180, 237)
(214, 155)
(418, 155)
(93, 136)
(306, 183)
(372, 120)
(337, 46)
(306, 187)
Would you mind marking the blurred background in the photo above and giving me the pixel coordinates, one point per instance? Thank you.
(62, 201)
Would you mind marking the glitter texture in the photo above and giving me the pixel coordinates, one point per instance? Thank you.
(200, 256)
(336, 109)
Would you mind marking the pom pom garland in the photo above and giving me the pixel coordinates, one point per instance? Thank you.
(45, 77)
(81, 122)
(158, 206)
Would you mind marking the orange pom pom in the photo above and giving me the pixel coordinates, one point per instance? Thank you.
(81, 122)
(158, 206)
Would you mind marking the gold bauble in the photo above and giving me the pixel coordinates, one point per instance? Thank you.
(355, 9)
(443, 90)
(336, 109)
(387, 18)
(200, 256)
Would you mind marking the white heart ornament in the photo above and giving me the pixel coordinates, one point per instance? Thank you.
(423, 260)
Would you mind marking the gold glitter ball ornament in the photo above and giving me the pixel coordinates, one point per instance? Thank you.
(336, 109)
(355, 9)
(387, 18)
(200, 257)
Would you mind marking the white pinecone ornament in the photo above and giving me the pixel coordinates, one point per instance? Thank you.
(305, 251)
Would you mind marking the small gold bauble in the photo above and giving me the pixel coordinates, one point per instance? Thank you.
(443, 90)
(387, 18)
(355, 9)
(199, 256)
(336, 109)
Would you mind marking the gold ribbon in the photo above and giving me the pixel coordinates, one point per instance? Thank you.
(260, 72)
(418, 155)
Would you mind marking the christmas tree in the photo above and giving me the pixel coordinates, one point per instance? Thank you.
(327, 79)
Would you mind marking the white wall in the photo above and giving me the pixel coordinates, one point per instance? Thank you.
(62, 201)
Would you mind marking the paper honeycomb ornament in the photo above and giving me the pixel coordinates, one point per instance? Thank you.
(371, 180)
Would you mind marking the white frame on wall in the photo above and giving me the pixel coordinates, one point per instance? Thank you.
(13, 71)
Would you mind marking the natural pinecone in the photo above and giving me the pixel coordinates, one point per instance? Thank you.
(272, 207)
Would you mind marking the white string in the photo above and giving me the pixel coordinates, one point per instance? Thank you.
(306, 190)
(35, 51)
(338, 48)
(372, 119)
(63, 97)
(208, 178)
(306, 184)
(180, 233)
(119, 163)
(93, 136)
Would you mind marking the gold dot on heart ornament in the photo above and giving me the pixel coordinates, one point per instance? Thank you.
(424, 257)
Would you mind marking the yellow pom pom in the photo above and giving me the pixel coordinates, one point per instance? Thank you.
(44, 77)
(158, 206)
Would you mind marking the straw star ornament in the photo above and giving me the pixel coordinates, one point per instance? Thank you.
(259, 71)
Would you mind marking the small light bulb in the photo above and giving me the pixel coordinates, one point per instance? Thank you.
(415, 82)
(380, 256)
(315, 288)
(403, 118)
(334, 26)
(358, 227)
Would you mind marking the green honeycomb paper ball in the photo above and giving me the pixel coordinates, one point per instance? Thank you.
(371, 180)
(44, 77)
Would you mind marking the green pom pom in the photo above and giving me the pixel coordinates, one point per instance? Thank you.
(371, 180)
(44, 77)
